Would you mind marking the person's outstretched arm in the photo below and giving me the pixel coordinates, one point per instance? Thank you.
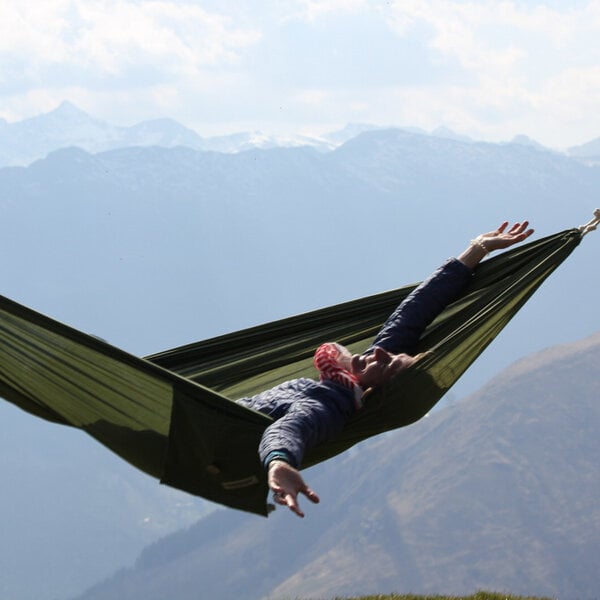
(402, 330)
(482, 245)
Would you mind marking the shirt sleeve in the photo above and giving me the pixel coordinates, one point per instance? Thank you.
(310, 420)
(404, 327)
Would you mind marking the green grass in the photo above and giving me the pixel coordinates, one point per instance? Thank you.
(476, 596)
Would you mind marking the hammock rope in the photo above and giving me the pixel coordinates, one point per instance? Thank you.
(591, 225)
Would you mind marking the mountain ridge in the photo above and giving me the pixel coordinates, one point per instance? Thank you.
(25, 141)
(34, 138)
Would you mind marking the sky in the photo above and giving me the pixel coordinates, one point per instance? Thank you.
(487, 69)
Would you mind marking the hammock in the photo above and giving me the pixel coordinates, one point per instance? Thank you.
(171, 414)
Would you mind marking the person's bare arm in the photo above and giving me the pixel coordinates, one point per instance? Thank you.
(494, 240)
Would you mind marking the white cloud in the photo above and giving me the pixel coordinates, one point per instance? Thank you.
(467, 32)
(119, 31)
(33, 29)
(105, 44)
(312, 97)
(572, 94)
(517, 61)
(312, 10)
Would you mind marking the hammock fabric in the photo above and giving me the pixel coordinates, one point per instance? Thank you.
(171, 415)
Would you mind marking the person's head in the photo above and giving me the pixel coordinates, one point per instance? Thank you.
(378, 367)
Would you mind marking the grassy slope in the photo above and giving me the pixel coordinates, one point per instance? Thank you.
(477, 596)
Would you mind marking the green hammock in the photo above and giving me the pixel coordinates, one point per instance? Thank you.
(171, 415)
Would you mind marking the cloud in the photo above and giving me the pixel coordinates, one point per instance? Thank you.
(573, 94)
(479, 36)
(490, 35)
(114, 43)
(118, 33)
(518, 59)
(312, 10)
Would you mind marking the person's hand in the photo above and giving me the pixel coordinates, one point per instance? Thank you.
(286, 483)
(500, 238)
(494, 240)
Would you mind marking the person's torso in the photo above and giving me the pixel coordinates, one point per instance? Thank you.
(276, 401)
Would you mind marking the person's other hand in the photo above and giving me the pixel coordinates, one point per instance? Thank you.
(286, 483)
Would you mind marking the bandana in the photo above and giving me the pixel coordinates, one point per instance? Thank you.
(333, 363)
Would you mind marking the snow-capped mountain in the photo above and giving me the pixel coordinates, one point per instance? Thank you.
(24, 142)
(239, 142)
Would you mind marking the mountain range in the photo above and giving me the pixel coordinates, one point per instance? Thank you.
(150, 247)
(498, 492)
(23, 142)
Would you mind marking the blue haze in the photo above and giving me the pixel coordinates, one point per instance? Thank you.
(153, 247)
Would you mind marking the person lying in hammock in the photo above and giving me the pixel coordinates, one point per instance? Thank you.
(309, 412)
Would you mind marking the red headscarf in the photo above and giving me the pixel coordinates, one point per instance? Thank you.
(333, 363)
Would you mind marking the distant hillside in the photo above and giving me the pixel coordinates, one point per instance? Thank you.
(589, 151)
(498, 492)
